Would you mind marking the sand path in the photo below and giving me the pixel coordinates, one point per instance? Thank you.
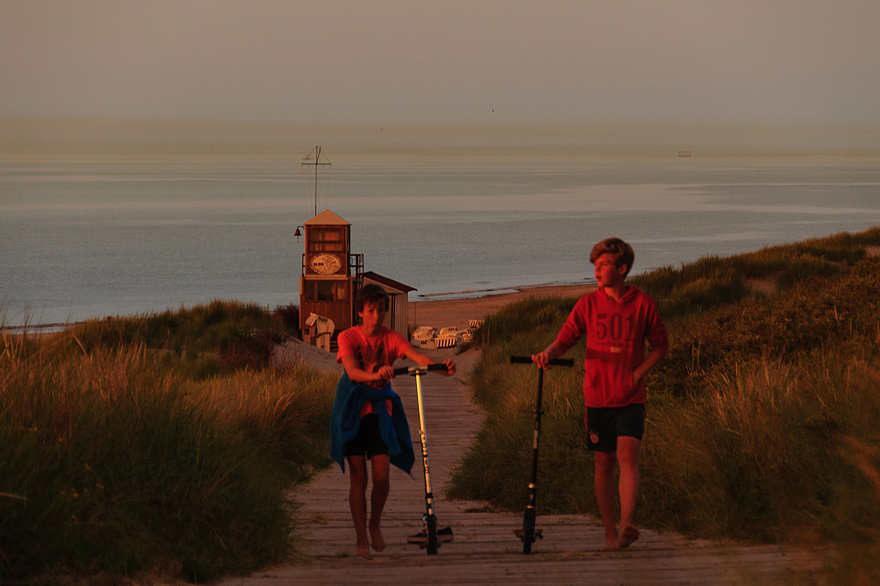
(485, 550)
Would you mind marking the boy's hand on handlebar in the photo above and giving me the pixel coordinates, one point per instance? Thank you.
(450, 366)
(542, 359)
(384, 374)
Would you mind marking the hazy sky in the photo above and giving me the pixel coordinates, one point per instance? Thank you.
(447, 62)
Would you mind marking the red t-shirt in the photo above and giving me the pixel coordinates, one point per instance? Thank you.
(371, 352)
(616, 332)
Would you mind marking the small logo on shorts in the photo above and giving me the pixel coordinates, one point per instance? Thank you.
(594, 437)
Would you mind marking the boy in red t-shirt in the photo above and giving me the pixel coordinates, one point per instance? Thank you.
(367, 352)
(616, 319)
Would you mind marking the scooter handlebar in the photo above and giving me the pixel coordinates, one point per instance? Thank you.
(418, 369)
(554, 362)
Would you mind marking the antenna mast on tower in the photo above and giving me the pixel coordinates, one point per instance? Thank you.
(317, 162)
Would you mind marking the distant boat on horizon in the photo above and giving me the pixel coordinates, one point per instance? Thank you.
(684, 153)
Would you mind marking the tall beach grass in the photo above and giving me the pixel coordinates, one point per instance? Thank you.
(761, 422)
(121, 457)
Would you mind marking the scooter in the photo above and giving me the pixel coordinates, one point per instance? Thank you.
(528, 534)
(430, 537)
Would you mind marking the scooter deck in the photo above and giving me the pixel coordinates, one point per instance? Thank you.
(421, 538)
(538, 533)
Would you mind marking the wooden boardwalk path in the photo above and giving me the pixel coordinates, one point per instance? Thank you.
(485, 550)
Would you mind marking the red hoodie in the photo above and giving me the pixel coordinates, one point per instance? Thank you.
(616, 334)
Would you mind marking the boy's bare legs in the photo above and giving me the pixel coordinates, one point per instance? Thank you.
(605, 495)
(357, 501)
(380, 468)
(628, 460)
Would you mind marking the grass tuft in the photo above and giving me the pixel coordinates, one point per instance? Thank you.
(123, 459)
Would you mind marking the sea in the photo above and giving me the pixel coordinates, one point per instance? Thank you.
(82, 239)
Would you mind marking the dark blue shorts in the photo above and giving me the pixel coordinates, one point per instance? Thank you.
(368, 441)
(606, 424)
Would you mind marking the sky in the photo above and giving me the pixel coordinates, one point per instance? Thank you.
(447, 62)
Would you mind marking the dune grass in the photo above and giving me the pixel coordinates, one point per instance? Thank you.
(237, 334)
(762, 421)
(122, 456)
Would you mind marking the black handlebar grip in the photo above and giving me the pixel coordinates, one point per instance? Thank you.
(554, 362)
(405, 369)
(439, 366)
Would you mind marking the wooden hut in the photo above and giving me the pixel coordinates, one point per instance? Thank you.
(397, 317)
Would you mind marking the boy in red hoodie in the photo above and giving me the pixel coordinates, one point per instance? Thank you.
(617, 319)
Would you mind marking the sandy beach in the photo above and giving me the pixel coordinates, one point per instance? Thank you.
(441, 313)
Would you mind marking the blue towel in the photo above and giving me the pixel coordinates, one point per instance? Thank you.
(345, 422)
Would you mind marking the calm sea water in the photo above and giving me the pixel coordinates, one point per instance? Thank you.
(81, 240)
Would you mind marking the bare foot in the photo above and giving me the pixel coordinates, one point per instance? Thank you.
(612, 546)
(629, 535)
(363, 551)
(378, 540)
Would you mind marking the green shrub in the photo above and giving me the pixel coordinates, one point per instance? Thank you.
(117, 460)
(202, 328)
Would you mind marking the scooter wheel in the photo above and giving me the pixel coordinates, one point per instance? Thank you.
(431, 529)
(528, 534)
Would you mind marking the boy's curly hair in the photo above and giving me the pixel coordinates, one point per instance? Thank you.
(620, 251)
(371, 294)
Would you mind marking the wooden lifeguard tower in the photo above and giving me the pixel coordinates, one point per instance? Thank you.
(331, 274)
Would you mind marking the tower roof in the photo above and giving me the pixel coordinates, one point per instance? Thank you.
(327, 218)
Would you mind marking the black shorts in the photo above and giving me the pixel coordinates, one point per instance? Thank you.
(368, 440)
(606, 424)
